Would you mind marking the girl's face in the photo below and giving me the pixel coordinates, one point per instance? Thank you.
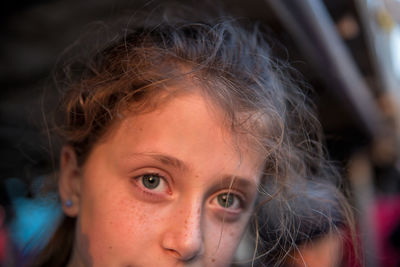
(167, 188)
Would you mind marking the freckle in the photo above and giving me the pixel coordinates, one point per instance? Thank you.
(110, 247)
(213, 260)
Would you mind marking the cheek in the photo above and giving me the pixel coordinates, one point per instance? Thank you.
(113, 225)
(223, 240)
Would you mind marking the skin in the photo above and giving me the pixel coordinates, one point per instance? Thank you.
(180, 222)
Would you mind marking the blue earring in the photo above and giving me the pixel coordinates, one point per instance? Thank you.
(68, 203)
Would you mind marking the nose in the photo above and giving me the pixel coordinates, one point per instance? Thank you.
(183, 237)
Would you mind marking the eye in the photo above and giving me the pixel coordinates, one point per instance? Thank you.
(229, 200)
(152, 182)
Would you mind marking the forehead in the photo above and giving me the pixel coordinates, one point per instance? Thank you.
(188, 127)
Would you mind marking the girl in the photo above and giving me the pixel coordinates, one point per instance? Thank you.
(175, 135)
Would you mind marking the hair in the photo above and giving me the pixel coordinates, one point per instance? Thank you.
(233, 67)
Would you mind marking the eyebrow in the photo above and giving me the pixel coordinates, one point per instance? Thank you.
(170, 160)
(165, 159)
(237, 182)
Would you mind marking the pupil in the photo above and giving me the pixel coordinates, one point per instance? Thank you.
(151, 181)
(225, 200)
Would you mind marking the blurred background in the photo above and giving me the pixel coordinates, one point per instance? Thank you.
(347, 50)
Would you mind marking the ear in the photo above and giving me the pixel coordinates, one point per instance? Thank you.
(69, 181)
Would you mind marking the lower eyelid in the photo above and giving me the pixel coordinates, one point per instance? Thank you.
(227, 215)
(146, 195)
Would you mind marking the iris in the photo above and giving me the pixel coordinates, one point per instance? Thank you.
(151, 181)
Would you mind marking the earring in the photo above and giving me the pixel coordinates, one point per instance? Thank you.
(68, 203)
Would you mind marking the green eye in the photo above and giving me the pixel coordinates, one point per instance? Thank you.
(226, 200)
(151, 181)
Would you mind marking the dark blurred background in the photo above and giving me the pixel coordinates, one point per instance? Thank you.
(347, 50)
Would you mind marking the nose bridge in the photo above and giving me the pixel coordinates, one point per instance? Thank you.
(191, 215)
(184, 237)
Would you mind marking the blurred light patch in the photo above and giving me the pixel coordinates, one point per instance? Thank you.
(34, 218)
(394, 50)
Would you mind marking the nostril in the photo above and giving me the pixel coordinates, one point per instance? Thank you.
(174, 253)
(184, 253)
(184, 258)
